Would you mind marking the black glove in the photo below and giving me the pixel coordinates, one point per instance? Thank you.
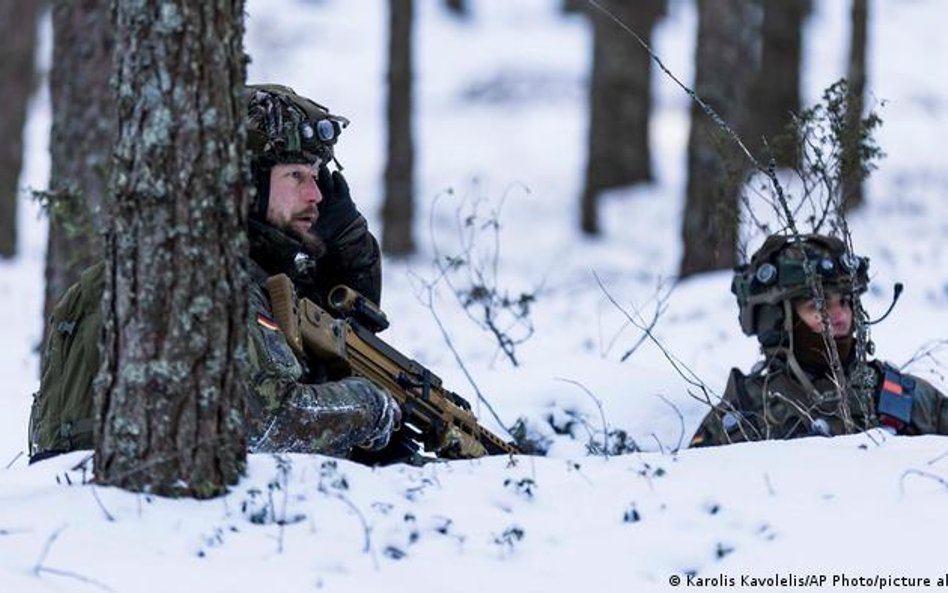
(337, 210)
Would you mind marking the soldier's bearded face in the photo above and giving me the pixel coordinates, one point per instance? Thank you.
(294, 197)
(838, 308)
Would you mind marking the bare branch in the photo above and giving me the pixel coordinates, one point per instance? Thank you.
(602, 413)
(924, 474)
(12, 461)
(681, 421)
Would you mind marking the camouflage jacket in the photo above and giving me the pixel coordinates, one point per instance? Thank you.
(772, 403)
(292, 407)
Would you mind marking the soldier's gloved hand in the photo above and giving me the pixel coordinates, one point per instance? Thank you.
(380, 407)
(337, 210)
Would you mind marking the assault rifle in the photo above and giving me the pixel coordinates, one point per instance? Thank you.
(439, 419)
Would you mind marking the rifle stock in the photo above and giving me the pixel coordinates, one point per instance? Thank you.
(440, 419)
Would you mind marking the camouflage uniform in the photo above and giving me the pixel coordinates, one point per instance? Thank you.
(294, 406)
(789, 394)
(772, 403)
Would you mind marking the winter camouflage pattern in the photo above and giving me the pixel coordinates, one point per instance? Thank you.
(288, 414)
(771, 403)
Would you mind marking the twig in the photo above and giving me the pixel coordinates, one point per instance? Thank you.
(457, 356)
(660, 308)
(12, 461)
(681, 421)
(602, 414)
(925, 351)
(680, 367)
(937, 459)
(77, 576)
(366, 530)
(105, 511)
(658, 441)
(45, 552)
(924, 474)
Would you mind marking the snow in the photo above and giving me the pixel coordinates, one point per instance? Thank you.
(500, 132)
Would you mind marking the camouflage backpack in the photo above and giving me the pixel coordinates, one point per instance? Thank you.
(61, 418)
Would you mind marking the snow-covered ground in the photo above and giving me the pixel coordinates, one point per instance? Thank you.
(500, 133)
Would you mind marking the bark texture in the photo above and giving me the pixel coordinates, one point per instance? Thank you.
(398, 212)
(728, 33)
(620, 101)
(171, 391)
(18, 29)
(852, 161)
(81, 142)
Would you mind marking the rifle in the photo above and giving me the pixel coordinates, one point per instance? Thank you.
(439, 419)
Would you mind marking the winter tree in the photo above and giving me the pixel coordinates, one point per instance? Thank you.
(81, 142)
(458, 8)
(18, 26)
(398, 210)
(725, 61)
(171, 389)
(775, 93)
(619, 102)
(852, 159)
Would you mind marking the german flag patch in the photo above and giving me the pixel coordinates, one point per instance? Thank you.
(266, 322)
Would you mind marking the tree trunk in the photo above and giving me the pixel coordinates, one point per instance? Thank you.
(852, 163)
(83, 134)
(172, 386)
(18, 27)
(776, 88)
(457, 7)
(398, 210)
(619, 103)
(725, 63)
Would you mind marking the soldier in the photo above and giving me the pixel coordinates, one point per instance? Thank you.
(303, 223)
(792, 392)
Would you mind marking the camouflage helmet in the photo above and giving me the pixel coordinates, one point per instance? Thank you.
(284, 127)
(776, 275)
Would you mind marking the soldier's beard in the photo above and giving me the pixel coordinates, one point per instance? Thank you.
(312, 243)
(810, 349)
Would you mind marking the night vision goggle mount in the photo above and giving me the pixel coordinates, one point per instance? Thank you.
(777, 274)
(286, 127)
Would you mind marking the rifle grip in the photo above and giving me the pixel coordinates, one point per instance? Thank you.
(283, 303)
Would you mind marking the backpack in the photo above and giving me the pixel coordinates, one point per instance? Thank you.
(61, 417)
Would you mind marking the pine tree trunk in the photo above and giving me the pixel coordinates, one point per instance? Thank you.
(852, 169)
(725, 63)
(172, 386)
(398, 210)
(776, 88)
(619, 103)
(457, 7)
(18, 27)
(81, 142)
